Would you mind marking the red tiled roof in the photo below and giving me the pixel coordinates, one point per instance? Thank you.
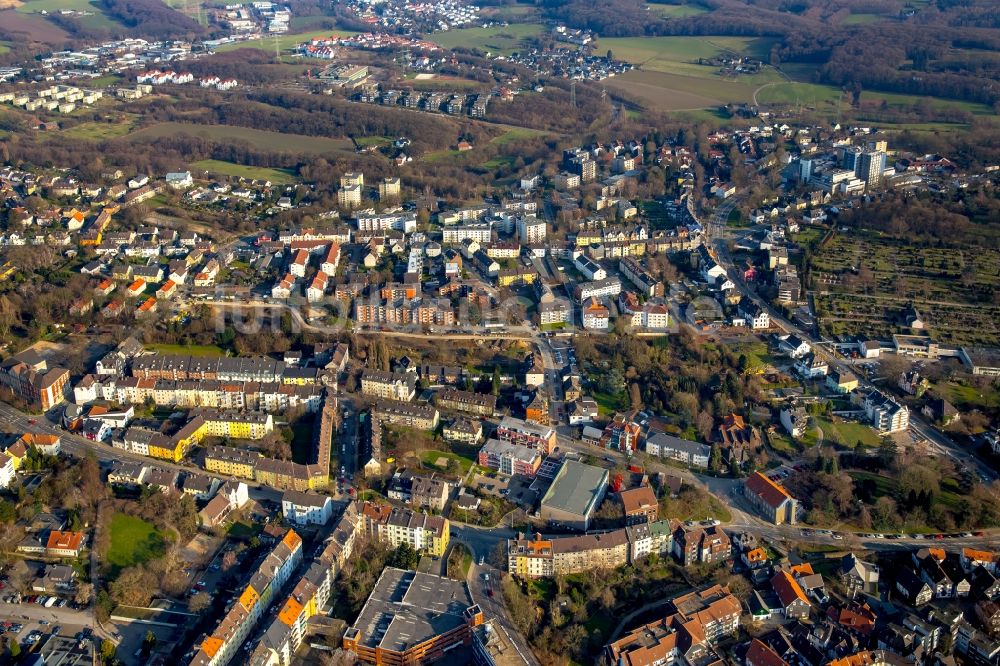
(760, 654)
(787, 589)
(773, 494)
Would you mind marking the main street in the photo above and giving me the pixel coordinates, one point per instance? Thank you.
(715, 230)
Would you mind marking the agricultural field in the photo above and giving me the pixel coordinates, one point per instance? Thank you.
(95, 17)
(863, 280)
(218, 167)
(672, 78)
(496, 40)
(39, 29)
(260, 139)
(674, 92)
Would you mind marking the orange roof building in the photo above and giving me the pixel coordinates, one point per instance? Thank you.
(64, 544)
(793, 599)
(761, 654)
(770, 500)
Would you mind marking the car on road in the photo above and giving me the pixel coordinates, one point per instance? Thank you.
(32, 421)
(838, 537)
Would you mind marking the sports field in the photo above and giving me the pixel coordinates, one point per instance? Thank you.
(261, 139)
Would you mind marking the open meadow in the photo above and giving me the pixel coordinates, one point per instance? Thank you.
(499, 39)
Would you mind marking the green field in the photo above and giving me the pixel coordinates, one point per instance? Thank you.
(133, 541)
(676, 11)
(516, 134)
(498, 40)
(97, 19)
(193, 350)
(677, 92)
(218, 167)
(847, 433)
(429, 459)
(860, 19)
(260, 139)
(284, 42)
(4, 47)
(679, 55)
(94, 131)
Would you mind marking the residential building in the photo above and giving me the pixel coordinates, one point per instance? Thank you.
(793, 600)
(858, 576)
(427, 534)
(545, 557)
(389, 385)
(886, 415)
(639, 505)
(463, 431)
(409, 415)
(30, 378)
(64, 544)
(306, 508)
(480, 404)
(534, 436)
(701, 545)
(429, 492)
(224, 640)
(510, 458)
(690, 453)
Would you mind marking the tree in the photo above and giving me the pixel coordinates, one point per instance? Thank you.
(199, 602)
(715, 458)
(887, 451)
(496, 380)
(84, 593)
(149, 641)
(108, 649)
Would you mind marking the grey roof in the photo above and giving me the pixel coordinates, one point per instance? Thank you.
(577, 488)
(409, 607)
(299, 498)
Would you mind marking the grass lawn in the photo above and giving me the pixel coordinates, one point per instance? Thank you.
(609, 404)
(280, 176)
(285, 42)
(4, 47)
(516, 134)
(133, 541)
(261, 139)
(676, 11)
(94, 131)
(860, 19)
(302, 443)
(758, 356)
(497, 40)
(782, 443)
(847, 433)
(429, 459)
(372, 140)
(193, 350)
(243, 529)
(969, 397)
(97, 19)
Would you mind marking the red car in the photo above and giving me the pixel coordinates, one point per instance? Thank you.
(32, 421)
(938, 536)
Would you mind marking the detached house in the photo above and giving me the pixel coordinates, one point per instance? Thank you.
(793, 600)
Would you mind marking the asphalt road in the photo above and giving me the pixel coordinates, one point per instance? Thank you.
(493, 606)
